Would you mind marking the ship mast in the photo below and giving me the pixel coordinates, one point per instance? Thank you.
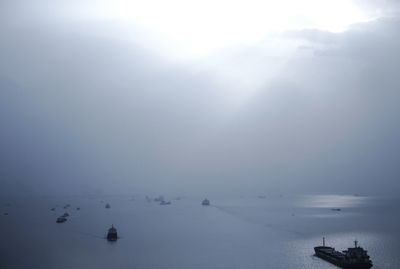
(323, 241)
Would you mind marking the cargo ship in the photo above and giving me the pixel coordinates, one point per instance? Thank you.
(352, 258)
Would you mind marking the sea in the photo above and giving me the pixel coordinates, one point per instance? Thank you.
(246, 232)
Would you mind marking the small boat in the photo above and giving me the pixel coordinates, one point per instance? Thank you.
(336, 209)
(61, 219)
(112, 234)
(53, 209)
(5, 214)
(65, 215)
(352, 258)
(107, 206)
(165, 203)
(78, 208)
(205, 202)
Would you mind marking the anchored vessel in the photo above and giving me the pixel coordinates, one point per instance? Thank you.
(205, 202)
(352, 258)
(112, 234)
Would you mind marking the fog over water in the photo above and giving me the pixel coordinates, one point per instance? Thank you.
(297, 101)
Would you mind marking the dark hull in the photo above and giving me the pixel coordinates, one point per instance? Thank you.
(61, 220)
(344, 265)
(336, 258)
(112, 238)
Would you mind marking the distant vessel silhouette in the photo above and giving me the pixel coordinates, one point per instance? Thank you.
(352, 258)
(165, 203)
(61, 219)
(112, 234)
(107, 206)
(205, 202)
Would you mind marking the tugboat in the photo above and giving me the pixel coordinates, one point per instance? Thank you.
(352, 258)
(205, 202)
(112, 234)
(61, 219)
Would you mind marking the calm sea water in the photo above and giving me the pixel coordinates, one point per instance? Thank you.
(239, 232)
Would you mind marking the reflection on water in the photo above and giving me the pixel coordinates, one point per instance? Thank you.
(247, 232)
(334, 201)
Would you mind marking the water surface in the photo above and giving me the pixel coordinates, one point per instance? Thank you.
(236, 232)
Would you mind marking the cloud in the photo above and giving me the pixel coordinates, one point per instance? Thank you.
(83, 108)
(328, 121)
(79, 108)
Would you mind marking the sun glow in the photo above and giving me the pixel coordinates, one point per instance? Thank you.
(199, 27)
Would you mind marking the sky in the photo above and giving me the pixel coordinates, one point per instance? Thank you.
(199, 96)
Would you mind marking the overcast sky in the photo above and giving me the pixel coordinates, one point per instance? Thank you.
(199, 96)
